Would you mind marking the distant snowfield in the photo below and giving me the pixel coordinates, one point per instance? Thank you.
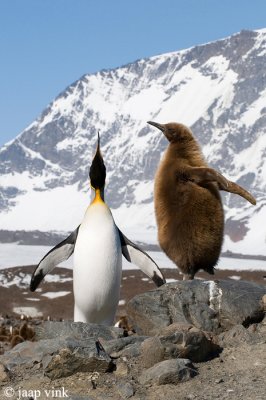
(12, 255)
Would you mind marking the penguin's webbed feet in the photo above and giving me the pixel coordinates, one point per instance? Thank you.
(188, 277)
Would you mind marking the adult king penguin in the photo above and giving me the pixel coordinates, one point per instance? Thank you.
(98, 246)
(188, 206)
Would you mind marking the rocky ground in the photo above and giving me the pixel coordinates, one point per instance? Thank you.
(192, 340)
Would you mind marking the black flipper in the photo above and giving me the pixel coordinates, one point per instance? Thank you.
(134, 254)
(61, 252)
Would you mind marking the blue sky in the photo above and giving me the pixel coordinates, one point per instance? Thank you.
(45, 45)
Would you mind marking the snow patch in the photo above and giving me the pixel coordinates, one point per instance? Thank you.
(256, 244)
(28, 311)
(169, 280)
(56, 279)
(32, 299)
(254, 111)
(235, 277)
(38, 214)
(142, 105)
(22, 280)
(184, 105)
(53, 295)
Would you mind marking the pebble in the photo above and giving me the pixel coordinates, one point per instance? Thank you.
(125, 390)
(168, 372)
(122, 368)
(3, 374)
(152, 352)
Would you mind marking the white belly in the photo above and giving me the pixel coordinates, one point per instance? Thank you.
(97, 267)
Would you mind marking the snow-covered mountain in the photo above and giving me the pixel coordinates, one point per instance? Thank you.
(218, 89)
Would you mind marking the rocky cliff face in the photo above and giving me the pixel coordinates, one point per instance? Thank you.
(218, 89)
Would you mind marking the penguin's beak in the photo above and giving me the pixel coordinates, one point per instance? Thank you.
(159, 126)
(97, 169)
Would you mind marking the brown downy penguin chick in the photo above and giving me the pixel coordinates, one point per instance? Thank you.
(188, 205)
(123, 323)
(26, 331)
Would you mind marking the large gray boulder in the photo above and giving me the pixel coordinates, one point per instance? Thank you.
(212, 306)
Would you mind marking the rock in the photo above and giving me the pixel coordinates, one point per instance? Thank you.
(241, 303)
(125, 390)
(264, 302)
(132, 351)
(236, 336)
(152, 352)
(78, 355)
(122, 368)
(186, 341)
(77, 330)
(262, 326)
(124, 347)
(76, 339)
(212, 306)
(28, 353)
(175, 327)
(147, 313)
(168, 372)
(68, 362)
(3, 374)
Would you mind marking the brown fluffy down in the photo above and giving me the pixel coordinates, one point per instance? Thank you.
(188, 207)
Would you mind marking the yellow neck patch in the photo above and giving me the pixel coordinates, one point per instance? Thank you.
(97, 198)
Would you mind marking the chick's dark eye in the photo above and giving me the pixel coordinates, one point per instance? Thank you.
(172, 132)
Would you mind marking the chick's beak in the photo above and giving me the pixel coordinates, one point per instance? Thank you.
(159, 126)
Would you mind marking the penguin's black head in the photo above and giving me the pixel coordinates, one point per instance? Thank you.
(97, 169)
(174, 132)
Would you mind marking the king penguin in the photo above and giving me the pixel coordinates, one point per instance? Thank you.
(188, 206)
(98, 246)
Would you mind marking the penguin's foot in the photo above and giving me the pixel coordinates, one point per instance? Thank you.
(100, 350)
(101, 353)
(188, 277)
